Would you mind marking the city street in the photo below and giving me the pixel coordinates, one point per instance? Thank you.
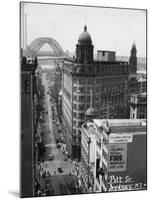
(60, 180)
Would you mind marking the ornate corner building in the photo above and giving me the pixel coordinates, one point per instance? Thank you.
(105, 77)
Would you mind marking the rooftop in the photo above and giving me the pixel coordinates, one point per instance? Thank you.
(89, 128)
(121, 125)
(103, 50)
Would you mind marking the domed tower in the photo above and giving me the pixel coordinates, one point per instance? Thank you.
(133, 60)
(91, 112)
(84, 48)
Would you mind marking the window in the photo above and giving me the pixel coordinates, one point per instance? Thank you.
(89, 81)
(81, 81)
(81, 89)
(97, 89)
(81, 107)
(75, 106)
(75, 88)
(27, 87)
(97, 81)
(75, 97)
(81, 115)
(75, 80)
(82, 98)
(88, 98)
(80, 123)
(74, 114)
(73, 138)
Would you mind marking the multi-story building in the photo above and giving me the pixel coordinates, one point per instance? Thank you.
(137, 85)
(106, 78)
(138, 106)
(117, 153)
(28, 127)
(57, 84)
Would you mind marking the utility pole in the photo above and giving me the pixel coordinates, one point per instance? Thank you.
(89, 141)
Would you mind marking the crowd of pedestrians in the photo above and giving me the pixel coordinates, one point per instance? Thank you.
(43, 169)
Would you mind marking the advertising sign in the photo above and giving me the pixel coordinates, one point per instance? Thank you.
(117, 157)
(120, 138)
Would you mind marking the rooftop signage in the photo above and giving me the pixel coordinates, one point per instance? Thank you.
(120, 138)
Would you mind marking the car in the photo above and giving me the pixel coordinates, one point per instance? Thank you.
(51, 156)
(60, 170)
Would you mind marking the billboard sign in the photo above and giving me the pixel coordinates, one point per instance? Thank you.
(117, 157)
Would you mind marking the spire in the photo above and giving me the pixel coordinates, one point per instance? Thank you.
(134, 45)
(85, 28)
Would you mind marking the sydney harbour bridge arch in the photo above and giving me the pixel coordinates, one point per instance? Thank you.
(35, 46)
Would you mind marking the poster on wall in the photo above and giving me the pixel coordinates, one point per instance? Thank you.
(117, 157)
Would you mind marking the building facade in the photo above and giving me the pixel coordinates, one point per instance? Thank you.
(138, 106)
(137, 85)
(28, 127)
(123, 150)
(91, 156)
(108, 81)
(116, 155)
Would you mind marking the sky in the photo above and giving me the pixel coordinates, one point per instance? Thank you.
(110, 29)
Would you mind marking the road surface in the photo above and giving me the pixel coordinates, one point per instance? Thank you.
(60, 181)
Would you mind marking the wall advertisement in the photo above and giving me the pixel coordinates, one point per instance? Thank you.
(117, 157)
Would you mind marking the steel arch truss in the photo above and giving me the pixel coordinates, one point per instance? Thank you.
(36, 45)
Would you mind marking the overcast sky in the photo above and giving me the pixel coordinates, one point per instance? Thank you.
(110, 29)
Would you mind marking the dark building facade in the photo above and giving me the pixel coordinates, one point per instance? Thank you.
(28, 127)
(108, 81)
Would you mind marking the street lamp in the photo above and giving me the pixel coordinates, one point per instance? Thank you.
(89, 141)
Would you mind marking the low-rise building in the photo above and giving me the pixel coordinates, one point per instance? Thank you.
(116, 153)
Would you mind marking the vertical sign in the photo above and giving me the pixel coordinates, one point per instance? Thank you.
(117, 157)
